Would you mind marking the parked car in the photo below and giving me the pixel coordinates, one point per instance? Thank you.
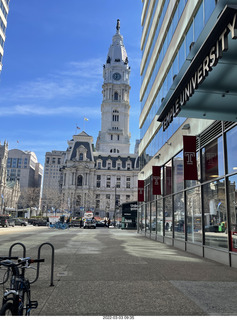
(31, 220)
(6, 221)
(89, 223)
(20, 222)
(40, 223)
(74, 223)
(100, 224)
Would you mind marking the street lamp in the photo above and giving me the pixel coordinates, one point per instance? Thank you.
(115, 194)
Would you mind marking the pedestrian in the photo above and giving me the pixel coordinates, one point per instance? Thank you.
(108, 222)
(81, 223)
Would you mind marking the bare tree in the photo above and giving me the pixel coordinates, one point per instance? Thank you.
(29, 198)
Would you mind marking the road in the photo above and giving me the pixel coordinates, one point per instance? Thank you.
(109, 272)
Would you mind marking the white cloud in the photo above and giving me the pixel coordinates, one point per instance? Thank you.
(31, 110)
(75, 79)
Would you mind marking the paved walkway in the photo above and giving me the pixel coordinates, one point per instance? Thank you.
(109, 272)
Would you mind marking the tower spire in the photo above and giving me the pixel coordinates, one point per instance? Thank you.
(118, 26)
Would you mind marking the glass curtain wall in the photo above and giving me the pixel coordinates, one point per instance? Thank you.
(202, 211)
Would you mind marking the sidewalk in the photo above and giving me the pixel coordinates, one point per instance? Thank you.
(113, 272)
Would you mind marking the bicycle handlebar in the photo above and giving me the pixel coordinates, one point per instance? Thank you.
(8, 258)
(9, 263)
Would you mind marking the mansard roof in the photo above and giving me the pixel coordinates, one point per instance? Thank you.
(85, 145)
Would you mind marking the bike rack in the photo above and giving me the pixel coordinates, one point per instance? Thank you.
(52, 262)
(18, 244)
(10, 254)
(38, 264)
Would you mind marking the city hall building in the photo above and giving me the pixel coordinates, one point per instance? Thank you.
(98, 177)
(188, 150)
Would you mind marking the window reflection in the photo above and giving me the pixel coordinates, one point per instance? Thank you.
(160, 217)
(153, 217)
(231, 142)
(148, 218)
(215, 219)
(213, 160)
(179, 216)
(168, 217)
(232, 190)
(178, 169)
(194, 215)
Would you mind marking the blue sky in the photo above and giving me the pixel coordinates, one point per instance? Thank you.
(52, 69)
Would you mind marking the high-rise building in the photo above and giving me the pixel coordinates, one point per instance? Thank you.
(4, 9)
(188, 88)
(51, 194)
(98, 179)
(24, 167)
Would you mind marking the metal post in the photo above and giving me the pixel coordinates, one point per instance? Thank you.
(115, 203)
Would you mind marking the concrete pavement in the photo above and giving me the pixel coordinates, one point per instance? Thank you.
(110, 272)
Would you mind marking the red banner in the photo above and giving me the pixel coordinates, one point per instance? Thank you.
(156, 180)
(140, 197)
(168, 180)
(190, 161)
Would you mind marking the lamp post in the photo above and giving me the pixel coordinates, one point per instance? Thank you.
(115, 194)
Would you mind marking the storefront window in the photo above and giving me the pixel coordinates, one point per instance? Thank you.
(193, 183)
(143, 216)
(231, 142)
(215, 219)
(168, 217)
(194, 215)
(153, 217)
(160, 217)
(179, 216)
(232, 191)
(148, 218)
(213, 160)
(178, 172)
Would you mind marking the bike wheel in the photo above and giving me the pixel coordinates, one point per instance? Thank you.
(7, 309)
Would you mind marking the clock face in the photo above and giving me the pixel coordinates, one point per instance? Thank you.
(116, 76)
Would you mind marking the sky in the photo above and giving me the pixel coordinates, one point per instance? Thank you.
(52, 72)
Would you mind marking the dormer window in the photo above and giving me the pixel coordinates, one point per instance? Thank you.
(81, 153)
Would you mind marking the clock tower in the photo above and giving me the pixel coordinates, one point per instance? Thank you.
(114, 137)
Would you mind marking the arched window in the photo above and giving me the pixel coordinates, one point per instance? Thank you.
(116, 96)
(79, 181)
(81, 156)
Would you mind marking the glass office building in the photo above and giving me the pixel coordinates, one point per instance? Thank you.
(4, 9)
(188, 88)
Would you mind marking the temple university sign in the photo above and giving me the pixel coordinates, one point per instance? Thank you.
(209, 61)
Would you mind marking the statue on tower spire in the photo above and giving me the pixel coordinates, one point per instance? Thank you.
(118, 26)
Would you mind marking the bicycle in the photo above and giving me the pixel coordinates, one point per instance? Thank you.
(17, 298)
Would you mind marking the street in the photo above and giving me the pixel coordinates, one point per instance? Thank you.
(112, 272)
